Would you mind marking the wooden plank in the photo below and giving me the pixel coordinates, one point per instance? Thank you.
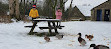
(60, 26)
(29, 26)
(44, 27)
(56, 20)
(50, 27)
(47, 27)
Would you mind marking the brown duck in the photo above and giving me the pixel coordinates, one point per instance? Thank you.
(90, 37)
(47, 39)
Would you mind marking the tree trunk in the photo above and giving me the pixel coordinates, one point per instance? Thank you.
(17, 10)
(70, 9)
(14, 9)
(11, 9)
(21, 1)
(24, 7)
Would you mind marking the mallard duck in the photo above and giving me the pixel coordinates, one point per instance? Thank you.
(98, 46)
(47, 39)
(59, 36)
(81, 40)
(90, 37)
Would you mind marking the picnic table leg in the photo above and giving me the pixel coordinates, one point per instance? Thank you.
(49, 24)
(57, 24)
(31, 31)
(55, 27)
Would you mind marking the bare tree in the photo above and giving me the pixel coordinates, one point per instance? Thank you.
(21, 1)
(11, 9)
(17, 9)
(14, 9)
(70, 10)
(49, 8)
(62, 4)
(52, 5)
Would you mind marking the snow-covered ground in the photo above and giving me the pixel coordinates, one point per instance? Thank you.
(14, 35)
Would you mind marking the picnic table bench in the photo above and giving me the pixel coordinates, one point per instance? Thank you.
(55, 25)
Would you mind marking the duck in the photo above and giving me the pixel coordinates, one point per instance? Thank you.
(98, 46)
(59, 36)
(47, 39)
(90, 37)
(81, 40)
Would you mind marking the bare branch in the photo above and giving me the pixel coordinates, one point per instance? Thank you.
(71, 2)
(65, 1)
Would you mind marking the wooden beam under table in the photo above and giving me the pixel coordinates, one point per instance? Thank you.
(49, 25)
(54, 25)
(33, 27)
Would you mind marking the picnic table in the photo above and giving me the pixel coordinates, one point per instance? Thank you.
(55, 25)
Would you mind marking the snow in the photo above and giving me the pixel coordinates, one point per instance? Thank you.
(14, 35)
(85, 5)
(4, 1)
(86, 10)
(47, 19)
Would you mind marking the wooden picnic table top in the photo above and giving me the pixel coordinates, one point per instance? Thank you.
(47, 20)
(50, 27)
